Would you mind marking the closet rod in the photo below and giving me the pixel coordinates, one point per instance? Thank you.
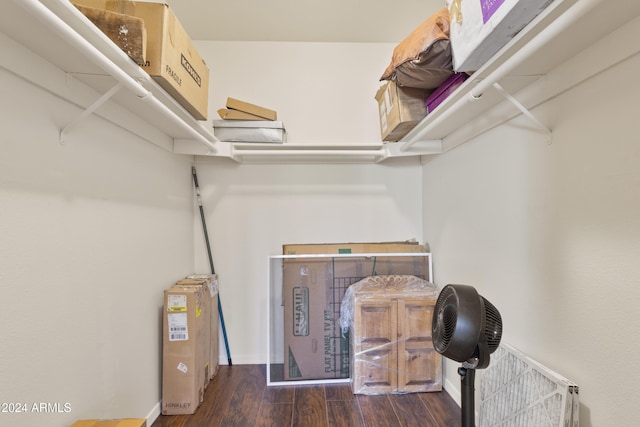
(314, 155)
(546, 36)
(56, 24)
(298, 152)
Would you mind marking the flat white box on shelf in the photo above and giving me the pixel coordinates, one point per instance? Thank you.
(480, 28)
(249, 131)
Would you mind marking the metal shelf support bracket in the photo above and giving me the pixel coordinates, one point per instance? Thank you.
(89, 110)
(524, 111)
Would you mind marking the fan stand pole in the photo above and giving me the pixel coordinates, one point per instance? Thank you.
(467, 379)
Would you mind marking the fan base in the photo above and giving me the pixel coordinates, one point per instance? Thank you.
(467, 383)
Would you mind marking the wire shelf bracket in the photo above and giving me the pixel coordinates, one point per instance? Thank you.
(89, 110)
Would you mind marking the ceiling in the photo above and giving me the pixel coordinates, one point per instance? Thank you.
(376, 21)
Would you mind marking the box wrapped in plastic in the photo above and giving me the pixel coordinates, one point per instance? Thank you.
(388, 319)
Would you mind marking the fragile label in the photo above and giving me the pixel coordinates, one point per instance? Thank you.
(178, 328)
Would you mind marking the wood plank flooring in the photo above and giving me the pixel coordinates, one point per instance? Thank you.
(239, 397)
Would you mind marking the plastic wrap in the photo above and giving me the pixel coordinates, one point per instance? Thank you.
(389, 323)
(390, 286)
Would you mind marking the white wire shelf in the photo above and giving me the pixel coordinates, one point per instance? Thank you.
(61, 39)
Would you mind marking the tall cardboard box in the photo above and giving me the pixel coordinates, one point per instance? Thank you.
(183, 349)
(209, 282)
(313, 287)
(172, 59)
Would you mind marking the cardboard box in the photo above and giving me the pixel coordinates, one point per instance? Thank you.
(124, 7)
(256, 110)
(401, 109)
(172, 59)
(481, 28)
(446, 89)
(249, 131)
(352, 248)
(123, 422)
(183, 349)
(210, 284)
(236, 115)
(206, 333)
(314, 346)
(128, 32)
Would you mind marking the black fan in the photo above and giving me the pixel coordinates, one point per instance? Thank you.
(466, 328)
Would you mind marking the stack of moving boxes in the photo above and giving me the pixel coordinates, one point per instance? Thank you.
(190, 342)
(468, 34)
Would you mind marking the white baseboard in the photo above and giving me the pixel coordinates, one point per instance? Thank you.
(453, 391)
(153, 414)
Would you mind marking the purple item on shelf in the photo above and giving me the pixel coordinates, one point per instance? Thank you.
(489, 7)
(445, 89)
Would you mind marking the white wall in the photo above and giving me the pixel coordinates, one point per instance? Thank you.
(91, 233)
(551, 235)
(252, 210)
(94, 230)
(323, 92)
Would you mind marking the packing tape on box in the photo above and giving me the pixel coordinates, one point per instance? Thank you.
(455, 11)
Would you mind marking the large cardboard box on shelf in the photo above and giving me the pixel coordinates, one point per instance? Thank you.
(172, 59)
(184, 360)
(122, 422)
(400, 109)
(480, 28)
(126, 31)
(313, 287)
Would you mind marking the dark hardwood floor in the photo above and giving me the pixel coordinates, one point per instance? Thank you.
(239, 397)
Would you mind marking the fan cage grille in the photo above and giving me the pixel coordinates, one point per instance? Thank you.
(446, 321)
(493, 325)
